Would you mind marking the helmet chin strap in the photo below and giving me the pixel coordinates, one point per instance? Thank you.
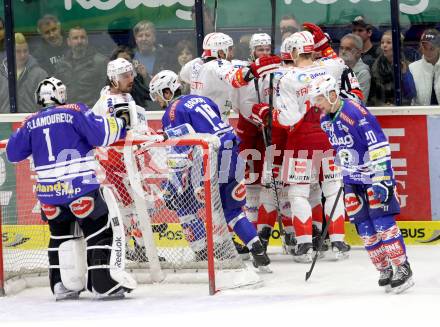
(333, 103)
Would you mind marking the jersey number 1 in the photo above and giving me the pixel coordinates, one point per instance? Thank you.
(51, 157)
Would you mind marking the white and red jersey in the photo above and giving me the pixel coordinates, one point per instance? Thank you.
(294, 110)
(105, 106)
(348, 83)
(214, 79)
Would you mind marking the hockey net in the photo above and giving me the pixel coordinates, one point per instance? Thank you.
(168, 197)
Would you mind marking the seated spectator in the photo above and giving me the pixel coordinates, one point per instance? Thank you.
(426, 71)
(2, 39)
(52, 46)
(140, 91)
(185, 53)
(350, 50)
(83, 70)
(29, 75)
(149, 53)
(382, 77)
(364, 30)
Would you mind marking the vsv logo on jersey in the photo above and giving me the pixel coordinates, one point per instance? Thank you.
(239, 192)
(50, 211)
(353, 204)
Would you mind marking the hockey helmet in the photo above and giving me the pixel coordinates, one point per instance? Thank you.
(258, 39)
(50, 91)
(287, 48)
(117, 67)
(165, 79)
(323, 85)
(302, 42)
(213, 42)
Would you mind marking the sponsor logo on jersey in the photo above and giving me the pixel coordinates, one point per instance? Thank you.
(239, 192)
(71, 106)
(347, 119)
(372, 200)
(50, 211)
(359, 107)
(363, 122)
(82, 207)
(353, 204)
(346, 140)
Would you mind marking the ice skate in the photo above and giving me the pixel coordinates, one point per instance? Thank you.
(340, 250)
(242, 250)
(118, 295)
(260, 258)
(303, 252)
(289, 243)
(264, 236)
(402, 279)
(315, 241)
(385, 278)
(62, 293)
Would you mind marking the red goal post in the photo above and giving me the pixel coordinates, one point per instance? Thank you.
(136, 170)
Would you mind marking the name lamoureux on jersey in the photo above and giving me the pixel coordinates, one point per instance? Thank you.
(363, 151)
(61, 140)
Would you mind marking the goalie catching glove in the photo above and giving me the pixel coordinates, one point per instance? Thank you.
(128, 113)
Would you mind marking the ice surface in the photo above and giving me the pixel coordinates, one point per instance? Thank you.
(341, 293)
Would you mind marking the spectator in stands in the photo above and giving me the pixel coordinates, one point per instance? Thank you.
(148, 52)
(83, 70)
(288, 26)
(185, 53)
(350, 50)
(426, 71)
(2, 39)
(241, 50)
(29, 75)
(382, 77)
(370, 51)
(140, 91)
(52, 46)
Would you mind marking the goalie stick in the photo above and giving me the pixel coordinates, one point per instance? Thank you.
(324, 234)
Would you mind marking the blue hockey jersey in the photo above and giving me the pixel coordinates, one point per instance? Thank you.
(363, 151)
(61, 141)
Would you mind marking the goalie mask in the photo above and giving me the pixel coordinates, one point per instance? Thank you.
(166, 79)
(214, 42)
(50, 91)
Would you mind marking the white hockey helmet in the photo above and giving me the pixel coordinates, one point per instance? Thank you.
(286, 49)
(50, 91)
(213, 42)
(258, 39)
(303, 42)
(165, 79)
(323, 85)
(117, 67)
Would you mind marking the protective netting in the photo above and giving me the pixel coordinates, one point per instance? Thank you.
(178, 186)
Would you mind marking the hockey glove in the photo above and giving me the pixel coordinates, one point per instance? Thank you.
(127, 112)
(178, 131)
(383, 191)
(262, 66)
(321, 40)
(259, 113)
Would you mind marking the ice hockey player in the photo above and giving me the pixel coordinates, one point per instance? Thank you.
(213, 75)
(364, 155)
(120, 79)
(326, 56)
(308, 166)
(203, 116)
(60, 138)
(260, 198)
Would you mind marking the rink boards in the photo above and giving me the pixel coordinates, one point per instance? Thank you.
(34, 237)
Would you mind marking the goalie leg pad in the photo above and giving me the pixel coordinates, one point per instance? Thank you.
(73, 264)
(106, 251)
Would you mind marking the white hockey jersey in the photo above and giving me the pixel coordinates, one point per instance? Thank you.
(213, 79)
(292, 93)
(105, 107)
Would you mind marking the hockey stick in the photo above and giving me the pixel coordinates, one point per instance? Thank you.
(324, 234)
(215, 15)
